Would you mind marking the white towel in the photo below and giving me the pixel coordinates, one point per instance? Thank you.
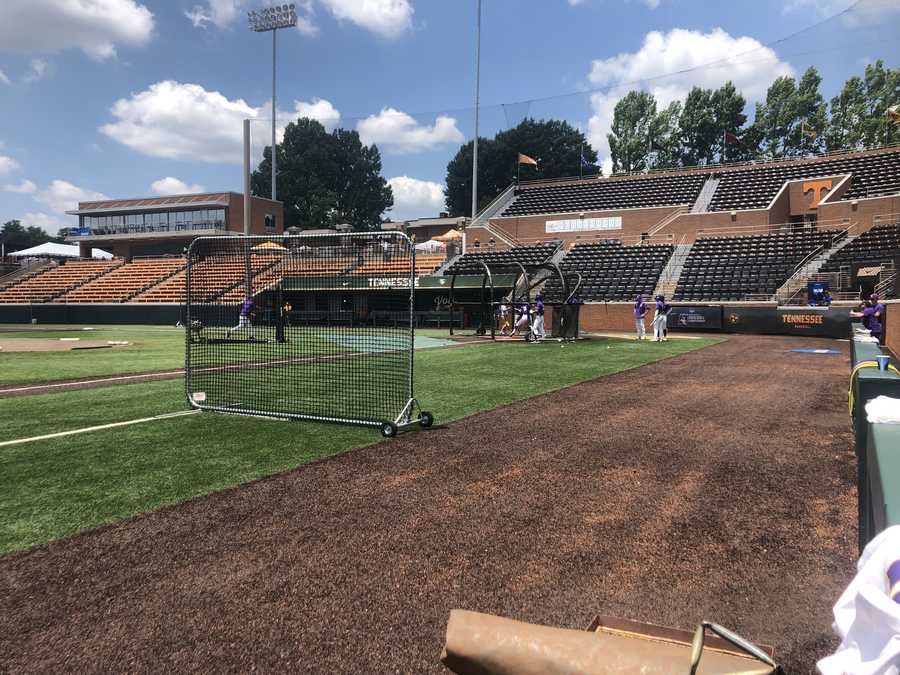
(865, 617)
(883, 410)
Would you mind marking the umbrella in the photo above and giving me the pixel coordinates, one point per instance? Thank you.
(449, 235)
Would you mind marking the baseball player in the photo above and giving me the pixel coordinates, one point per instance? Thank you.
(538, 328)
(640, 311)
(244, 317)
(660, 319)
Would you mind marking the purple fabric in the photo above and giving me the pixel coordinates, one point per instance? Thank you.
(246, 307)
(640, 308)
(539, 306)
(893, 575)
(874, 323)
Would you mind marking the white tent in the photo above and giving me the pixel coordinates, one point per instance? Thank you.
(431, 245)
(53, 250)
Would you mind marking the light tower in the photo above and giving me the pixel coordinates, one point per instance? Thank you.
(262, 21)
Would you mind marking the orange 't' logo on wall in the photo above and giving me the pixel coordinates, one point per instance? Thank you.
(816, 187)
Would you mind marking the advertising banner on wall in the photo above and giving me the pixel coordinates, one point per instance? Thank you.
(814, 321)
(695, 317)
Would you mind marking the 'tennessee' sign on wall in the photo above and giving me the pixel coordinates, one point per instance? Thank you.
(583, 224)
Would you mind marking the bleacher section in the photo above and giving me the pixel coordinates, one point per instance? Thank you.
(528, 256)
(734, 268)
(754, 188)
(607, 194)
(56, 280)
(874, 247)
(126, 281)
(611, 271)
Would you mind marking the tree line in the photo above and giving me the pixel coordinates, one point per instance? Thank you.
(709, 126)
(17, 237)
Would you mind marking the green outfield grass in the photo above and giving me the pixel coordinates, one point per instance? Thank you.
(151, 348)
(50, 489)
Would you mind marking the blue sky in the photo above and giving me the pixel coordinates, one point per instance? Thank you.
(127, 98)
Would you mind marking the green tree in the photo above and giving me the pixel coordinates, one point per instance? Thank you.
(728, 105)
(630, 132)
(15, 237)
(809, 108)
(845, 130)
(882, 90)
(776, 118)
(555, 143)
(325, 179)
(697, 128)
(665, 143)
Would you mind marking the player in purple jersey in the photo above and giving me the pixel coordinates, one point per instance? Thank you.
(244, 317)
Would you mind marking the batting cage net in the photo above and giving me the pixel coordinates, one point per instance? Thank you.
(314, 327)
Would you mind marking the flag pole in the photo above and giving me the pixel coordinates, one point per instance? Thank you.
(724, 145)
(477, 96)
(581, 161)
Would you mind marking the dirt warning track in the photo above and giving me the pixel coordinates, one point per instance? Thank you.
(717, 484)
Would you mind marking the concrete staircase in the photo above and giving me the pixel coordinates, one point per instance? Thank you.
(668, 278)
(706, 195)
(677, 213)
(798, 280)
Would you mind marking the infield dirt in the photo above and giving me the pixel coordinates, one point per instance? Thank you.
(719, 484)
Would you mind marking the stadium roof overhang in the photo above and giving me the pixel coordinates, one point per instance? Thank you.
(132, 236)
(163, 206)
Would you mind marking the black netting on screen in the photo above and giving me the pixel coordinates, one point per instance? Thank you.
(301, 326)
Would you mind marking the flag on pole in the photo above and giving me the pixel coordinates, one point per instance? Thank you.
(525, 159)
(731, 138)
(894, 114)
(585, 162)
(807, 130)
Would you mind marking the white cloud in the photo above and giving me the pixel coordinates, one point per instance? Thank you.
(673, 52)
(26, 187)
(575, 3)
(7, 165)
(652, 4)
(3, 78)
(386, 18)
(46, 222)
(414, 198)
(93, 26)
(37, 71)
(317, 109)
(180, 121)
(173, 186)
(62, 196)
(217, 12)
(186, 122)
(399, 133)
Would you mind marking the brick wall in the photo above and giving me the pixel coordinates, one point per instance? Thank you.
(892, 327)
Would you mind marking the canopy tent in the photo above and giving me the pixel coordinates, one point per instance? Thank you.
(431, 245)
(269, 246)
(449, 235)
(54, 250)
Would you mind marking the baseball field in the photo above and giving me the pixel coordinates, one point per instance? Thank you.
(664, 482)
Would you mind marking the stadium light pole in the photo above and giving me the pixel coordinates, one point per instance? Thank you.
(477, 96)
(270, 19)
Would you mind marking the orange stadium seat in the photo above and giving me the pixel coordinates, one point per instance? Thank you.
(56, 281)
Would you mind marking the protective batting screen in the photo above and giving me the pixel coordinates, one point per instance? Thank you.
(309, 327)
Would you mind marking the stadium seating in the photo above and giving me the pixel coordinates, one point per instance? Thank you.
(876, 246)
(125, 281)
(425, 264)
(606, 194)
(754, 187)
(733, 268)
(55, 281)
(525, 255)
(611, 271)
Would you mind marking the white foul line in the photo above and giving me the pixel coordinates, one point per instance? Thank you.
(100, 427)
(76, 383)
